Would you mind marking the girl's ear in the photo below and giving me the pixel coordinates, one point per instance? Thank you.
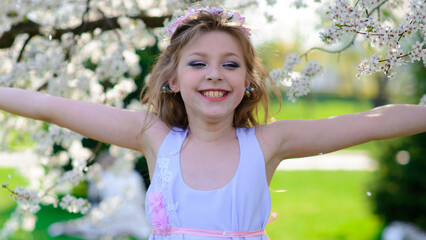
(247, 83)
(174, 85)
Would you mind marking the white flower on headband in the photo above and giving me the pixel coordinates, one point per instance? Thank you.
(170, 26)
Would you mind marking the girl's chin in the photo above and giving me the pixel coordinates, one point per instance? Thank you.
(217, 115)
(222, 115)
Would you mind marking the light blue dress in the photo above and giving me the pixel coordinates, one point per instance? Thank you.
(244, 204)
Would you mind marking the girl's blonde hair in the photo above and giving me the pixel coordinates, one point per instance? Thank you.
(170, 108)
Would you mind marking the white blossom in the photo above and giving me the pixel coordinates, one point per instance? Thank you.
(299, 87)
(276, 74)
(74, 205)
(369, 66)
(115, 95)
(124, 159)
(136, 105)
(298, 83)
(54, 135)
(72, 177)
(79, 154)
(112, 66)
(311, 69)
(290, 62)
(27, 199)
(417, 52)
(35, 173)
(347, 18)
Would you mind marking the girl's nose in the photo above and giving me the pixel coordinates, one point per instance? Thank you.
(214, 77)
(214, 74)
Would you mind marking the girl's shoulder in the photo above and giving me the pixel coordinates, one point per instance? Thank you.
(272, 135)
(270, 129)
(152, 135)
(153, 132)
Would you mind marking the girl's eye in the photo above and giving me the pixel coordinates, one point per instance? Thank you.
(197, 64)
(231, 65)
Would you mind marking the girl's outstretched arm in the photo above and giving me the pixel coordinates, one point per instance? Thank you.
(300, 138)
(106, 124)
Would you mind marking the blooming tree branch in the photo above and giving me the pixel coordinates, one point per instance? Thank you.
(358, 20)
(104, 24)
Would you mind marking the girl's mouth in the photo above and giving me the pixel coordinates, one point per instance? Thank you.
(214, 93)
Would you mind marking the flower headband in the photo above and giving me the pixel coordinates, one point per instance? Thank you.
(234, 17)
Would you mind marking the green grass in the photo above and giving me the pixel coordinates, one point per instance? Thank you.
(6, 202)
(315, 109)
(319, 205)
(323, 205)
(46, 216)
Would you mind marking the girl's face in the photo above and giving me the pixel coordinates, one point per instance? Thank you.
(211, 76)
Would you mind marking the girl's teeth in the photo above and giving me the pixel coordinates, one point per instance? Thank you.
(214, 94)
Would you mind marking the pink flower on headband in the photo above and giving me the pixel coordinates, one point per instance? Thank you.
(232, 17)
(159, 214)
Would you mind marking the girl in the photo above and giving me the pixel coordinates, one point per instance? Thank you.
(209, 159)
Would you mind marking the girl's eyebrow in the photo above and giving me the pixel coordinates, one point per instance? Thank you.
(202, 54)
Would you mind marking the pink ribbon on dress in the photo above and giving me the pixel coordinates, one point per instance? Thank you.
(217, 233)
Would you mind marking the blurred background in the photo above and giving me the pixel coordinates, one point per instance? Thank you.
(325, 197)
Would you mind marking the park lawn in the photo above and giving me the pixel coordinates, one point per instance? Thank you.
(6, 202)
(323, 205)
(318, 205)
(315, 108)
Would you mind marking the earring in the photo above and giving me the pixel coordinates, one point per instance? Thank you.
(166, 90)
(248, 91)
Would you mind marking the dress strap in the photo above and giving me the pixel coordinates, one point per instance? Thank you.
(172, 144)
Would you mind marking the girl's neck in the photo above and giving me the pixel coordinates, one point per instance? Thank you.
(208, 132)
(208, 129)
